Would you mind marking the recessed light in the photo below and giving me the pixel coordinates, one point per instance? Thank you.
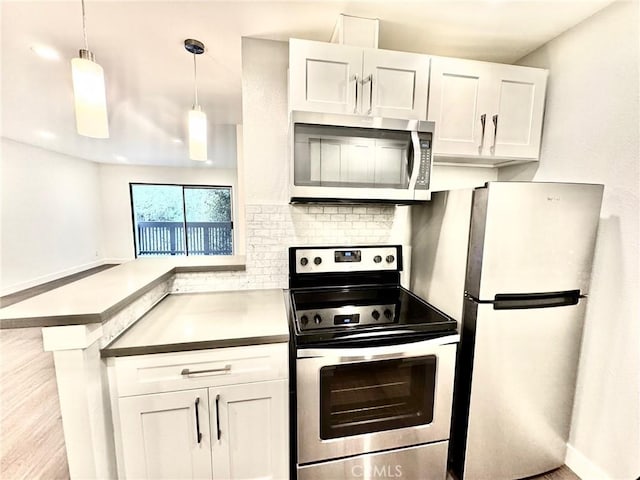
(177, 141)
(46, 52)
(120, 158)
(209, 162)
(47, 135)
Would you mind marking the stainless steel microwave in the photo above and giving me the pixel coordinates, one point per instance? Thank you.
(359, 159)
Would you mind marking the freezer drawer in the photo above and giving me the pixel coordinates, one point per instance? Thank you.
(523, 379)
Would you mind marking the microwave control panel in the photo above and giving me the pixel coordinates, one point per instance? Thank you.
(424, 172)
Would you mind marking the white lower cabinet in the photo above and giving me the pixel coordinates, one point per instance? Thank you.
(222, 430)
(159, 435)
(251, 437)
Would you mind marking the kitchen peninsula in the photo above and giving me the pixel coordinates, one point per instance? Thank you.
(81, 318)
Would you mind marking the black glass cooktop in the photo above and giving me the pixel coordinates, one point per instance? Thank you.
(357, 313)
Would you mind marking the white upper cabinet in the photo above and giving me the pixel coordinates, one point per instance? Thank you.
(331, 78)
(485, 113)
(324, 77)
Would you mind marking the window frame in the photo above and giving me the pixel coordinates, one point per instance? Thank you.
(184, 215)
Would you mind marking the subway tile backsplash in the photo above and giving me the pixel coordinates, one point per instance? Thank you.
(272, 229)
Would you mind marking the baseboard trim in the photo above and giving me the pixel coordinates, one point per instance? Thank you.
(582, 466)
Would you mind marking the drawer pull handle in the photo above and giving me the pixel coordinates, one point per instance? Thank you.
(186, 371)
(198, 434)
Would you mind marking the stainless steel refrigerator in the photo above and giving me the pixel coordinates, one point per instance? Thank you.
(530, 252)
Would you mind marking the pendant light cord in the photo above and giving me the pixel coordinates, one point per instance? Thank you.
(195, 80)
(84, 28)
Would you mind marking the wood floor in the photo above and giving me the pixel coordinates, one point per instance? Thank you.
(562, 473)
(32, 441)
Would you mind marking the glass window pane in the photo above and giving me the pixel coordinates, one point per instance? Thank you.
(209, 227)
(158, 217)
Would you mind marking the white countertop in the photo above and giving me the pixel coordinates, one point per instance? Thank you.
(92, 299)
(206, 320)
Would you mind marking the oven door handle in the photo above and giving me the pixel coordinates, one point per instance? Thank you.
(372, 353)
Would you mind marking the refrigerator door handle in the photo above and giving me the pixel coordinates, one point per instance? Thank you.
(510, 301)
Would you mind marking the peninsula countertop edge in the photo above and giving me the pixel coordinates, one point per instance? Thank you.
(96, 298)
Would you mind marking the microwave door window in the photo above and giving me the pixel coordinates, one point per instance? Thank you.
(358, 164)
(330, 161)
(350, 157)
(391, 165)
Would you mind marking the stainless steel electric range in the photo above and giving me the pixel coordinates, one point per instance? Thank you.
(372, 368)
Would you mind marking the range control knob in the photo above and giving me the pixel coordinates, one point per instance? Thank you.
(390, 258)
(317, 319)
(304, 320)
(375, 314)
(304, 261)
(317, 260)
(388, 314)
(377, 259)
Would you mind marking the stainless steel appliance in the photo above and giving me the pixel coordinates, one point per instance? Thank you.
(372, 368)
(343, 157)
(527, 278)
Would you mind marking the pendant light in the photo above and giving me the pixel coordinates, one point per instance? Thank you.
(197, 118)
(89, 92)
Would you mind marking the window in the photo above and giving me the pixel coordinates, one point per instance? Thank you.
(181, 220)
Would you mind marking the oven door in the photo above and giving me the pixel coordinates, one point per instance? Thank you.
(360, 400)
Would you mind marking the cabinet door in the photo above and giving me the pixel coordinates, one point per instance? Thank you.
(458, 103)
(253, 431)
(324, 77)
(519, 94)
(395, 84)
(159, 435)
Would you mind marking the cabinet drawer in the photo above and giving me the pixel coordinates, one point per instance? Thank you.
(164, 372)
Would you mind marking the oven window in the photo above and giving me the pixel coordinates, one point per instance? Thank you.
(374, 396)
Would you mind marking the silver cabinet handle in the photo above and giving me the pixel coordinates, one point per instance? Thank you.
(495, 134)
(355, 103)
(186, 371)
(483, 122)
(369, 79)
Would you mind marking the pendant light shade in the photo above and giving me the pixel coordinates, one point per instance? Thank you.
(197, 134)
(197, 118)
(89, 92)
(89, 95)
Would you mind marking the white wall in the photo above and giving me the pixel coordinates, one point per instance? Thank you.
(265, 121)
(50, 216)
(117, 229)
(591, 135)
(440, 240)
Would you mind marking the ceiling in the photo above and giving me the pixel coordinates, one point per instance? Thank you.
(149, 75)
